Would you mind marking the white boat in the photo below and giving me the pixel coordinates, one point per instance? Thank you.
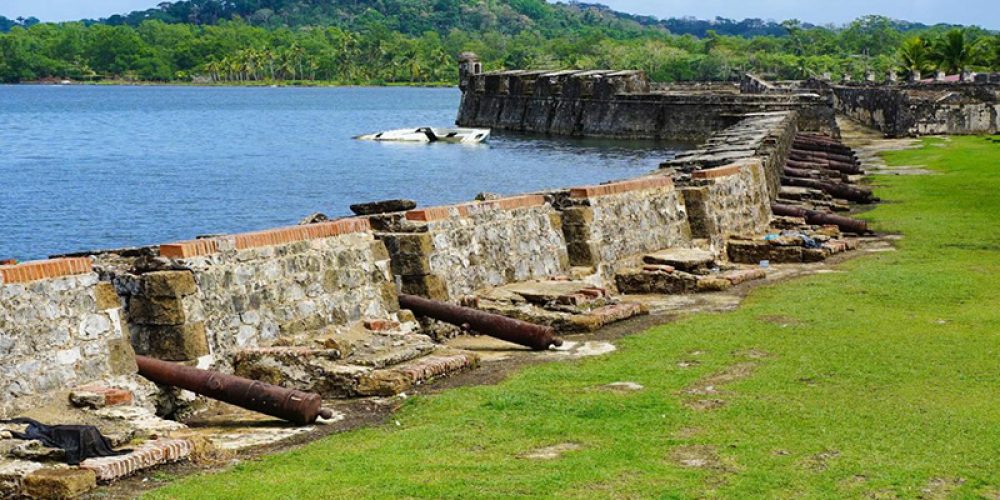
(428, 134)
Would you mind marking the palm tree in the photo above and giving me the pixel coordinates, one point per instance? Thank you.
(915, 56)
(952, 52)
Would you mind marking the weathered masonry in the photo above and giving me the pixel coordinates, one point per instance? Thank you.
(952, 105)
(316, 307)
(59, 327)
(620, 104)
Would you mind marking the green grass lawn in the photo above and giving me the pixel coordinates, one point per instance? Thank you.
(883, 380)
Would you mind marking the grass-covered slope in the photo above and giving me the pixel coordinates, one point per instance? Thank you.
(883, 379)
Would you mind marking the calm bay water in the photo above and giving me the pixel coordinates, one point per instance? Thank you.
(84, 168)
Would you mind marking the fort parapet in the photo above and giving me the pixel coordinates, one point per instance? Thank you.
(621, 104)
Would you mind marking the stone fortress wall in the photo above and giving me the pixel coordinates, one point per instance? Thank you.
(249, 290)
(621, 104)
(969, 104)
(59, 327)
(307, 288)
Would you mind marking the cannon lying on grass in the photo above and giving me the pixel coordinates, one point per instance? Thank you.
(520, 332)
(299, 407)
(845, 224)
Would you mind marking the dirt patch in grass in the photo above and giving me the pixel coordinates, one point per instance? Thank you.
(713, 383)
(820, 461)
(941, 487)
(551, 452)
(751, 354)
(705, 404)
(780, 320)
(622, 387)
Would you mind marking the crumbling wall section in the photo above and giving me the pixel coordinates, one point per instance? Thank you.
(610, 226)
(729, 201)
(451, 251)
(60, 327)
(621, 104)
(923, 108)
(767, 137)
(248, 290)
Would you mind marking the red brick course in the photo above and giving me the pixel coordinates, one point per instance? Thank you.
(431, 214)
(144, 456)
(717, 172)
(269, 237)
(27, 272)
(640, 184)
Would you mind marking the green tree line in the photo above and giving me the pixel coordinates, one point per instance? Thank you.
(371, 51)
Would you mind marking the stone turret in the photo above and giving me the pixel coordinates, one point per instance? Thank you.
(468, 67)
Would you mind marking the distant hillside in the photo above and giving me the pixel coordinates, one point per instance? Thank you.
(415, 17)
(410, 17)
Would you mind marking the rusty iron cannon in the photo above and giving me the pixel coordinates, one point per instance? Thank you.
(294, 406)
(520, 332)
(835, 189)
(804, 155)
(826, 164)
(846, 224)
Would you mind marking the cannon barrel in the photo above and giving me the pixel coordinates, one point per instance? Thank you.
(520, 332)
(822, 148)
(819, 218)
(831, 165)
(838, 190)
(294, 406)
(808, 155)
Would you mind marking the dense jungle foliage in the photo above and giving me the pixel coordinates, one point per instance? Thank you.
(416, 41)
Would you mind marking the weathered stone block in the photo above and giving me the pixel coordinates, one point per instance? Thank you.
(157, 310)
(302, 325)
(408, 243)
(178, 342)
(577, 216)
(169, 284)
(658, 282)
(582, 253)
(106, 297)
(383, 383)
(390, 298)
(121, 356)
(379, 251)
(59, 483)
(713, 284)
(430, 286)
(752, 252)
(384, 206)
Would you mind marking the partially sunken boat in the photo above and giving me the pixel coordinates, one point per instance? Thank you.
(428, 134)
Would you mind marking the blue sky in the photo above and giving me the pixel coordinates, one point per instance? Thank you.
(985, 13)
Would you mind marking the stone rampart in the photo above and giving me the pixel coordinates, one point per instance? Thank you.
(764, 136)
(60, 327)
(450, 251)
(923, 108)
(610, 226)
(729, 201)
(230, 293)
(620, 104)
(209, 301)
